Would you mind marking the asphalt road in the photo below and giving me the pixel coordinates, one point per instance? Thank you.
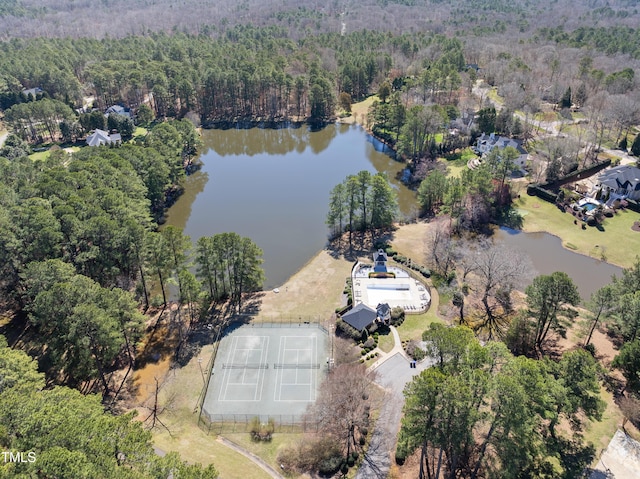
(392, 375)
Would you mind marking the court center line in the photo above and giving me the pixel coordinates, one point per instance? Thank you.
(264, 343)
(314, 349)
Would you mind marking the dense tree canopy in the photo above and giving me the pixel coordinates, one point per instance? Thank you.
(481, 412)
(71, 435)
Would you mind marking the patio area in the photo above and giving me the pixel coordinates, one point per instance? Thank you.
(400, 291)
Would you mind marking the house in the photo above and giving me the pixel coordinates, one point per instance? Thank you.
(118, 110)
(620, 182)
(33, 91)
(380, 261)
(101, 137)
(360, 317)
(487, 143)
(384, 312)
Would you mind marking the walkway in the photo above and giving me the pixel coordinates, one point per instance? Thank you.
(393, 373)
(252, 457)
(397, 349)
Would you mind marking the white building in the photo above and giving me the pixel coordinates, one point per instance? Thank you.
(101, 137)
(487, 143)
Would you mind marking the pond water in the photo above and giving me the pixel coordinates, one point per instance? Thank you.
(273, 186)
(548, 255)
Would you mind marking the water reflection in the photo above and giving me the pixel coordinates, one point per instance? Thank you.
(270, 141)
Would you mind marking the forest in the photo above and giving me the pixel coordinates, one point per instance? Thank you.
(82, 257)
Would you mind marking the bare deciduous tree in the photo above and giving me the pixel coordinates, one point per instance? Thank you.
(630, 407)
(497, 271)
(342, 408)
(441, 250)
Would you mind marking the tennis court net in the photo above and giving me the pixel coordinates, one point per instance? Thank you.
(296, 366)
(245, 366)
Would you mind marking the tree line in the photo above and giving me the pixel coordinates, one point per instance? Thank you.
(245, 73)
(78, 238)
(465, 414)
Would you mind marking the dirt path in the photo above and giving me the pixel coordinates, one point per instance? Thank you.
(252, 457)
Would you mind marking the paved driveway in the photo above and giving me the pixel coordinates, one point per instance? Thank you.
(392, 375)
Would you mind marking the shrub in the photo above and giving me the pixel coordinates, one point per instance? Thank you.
(415, 351)
(397, 315)
(345, 330)
(262, 432)
(329, 466)
(591, 348)
(401, 259)
(309, 455)
(401, 452)
(156, 301)
(391, 252)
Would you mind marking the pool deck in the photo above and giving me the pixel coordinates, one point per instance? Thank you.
(402, 291)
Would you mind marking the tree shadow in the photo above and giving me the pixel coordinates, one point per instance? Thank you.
(361, 244)
(573, 454)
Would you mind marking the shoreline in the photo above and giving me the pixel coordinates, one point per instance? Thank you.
(563, 243)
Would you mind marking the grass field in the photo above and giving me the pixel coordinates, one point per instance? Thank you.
(139, 134)
(39, 155)
(415, 324)
(43, 155)
(599, 433)
(359, 111)
(385, 342)
(179, 396)
(265, 450)
(313, 292)
(618, 241)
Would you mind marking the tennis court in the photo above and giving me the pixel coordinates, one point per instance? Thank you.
(267, 370)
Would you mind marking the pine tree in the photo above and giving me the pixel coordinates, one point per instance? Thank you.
(635, 147)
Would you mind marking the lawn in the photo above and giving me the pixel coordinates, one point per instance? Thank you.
(139, 134)
(312, 293)
(359, 111)
(385, 342)
(415, 324)
(265, 450)
(493, 96)
(179, 394)
(616, 243)
(39, 155)
(196, 446)
(599, 433)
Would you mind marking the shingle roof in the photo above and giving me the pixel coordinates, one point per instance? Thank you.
(625, 176)
(101, 137)
(380, 255)
(360, 316)
(501, 142)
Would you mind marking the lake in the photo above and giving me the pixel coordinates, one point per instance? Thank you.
(273, 186)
